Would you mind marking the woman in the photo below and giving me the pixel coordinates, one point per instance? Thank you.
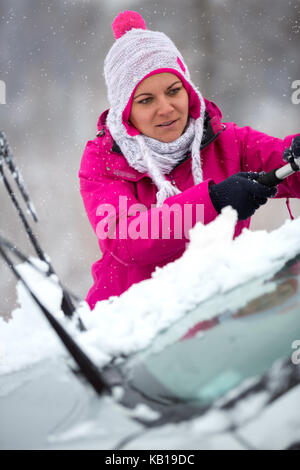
(162, 161)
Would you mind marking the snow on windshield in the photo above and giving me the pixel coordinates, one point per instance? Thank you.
(213, 263)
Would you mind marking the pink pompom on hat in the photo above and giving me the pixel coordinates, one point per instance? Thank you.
(136, 54)
(126, 21)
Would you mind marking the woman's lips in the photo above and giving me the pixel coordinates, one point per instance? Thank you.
(168, 123)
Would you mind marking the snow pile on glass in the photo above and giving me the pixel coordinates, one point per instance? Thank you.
(213, 263)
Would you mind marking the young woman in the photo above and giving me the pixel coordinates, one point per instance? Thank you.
(163, 160)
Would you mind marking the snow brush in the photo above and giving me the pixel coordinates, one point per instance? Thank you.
(6, 157)
(292, 157)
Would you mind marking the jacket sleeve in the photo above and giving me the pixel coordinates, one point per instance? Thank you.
(261, 152)
(117, 216)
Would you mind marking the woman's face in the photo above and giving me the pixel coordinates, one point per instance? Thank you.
(160, 107)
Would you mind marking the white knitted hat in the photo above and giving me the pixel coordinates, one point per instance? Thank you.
(137, 54)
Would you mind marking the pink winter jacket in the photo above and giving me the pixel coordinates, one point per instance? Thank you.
(105, 175)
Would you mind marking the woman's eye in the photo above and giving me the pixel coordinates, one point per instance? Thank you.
(145, 101)
(174, 91)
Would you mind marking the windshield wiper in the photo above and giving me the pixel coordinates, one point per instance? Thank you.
(6, 157)
(87, 368)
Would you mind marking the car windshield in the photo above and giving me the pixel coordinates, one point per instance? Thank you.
(200, 361)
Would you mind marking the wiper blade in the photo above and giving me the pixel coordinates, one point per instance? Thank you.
(25, 259)
(87, 368)
(6, 156)
(5, 153)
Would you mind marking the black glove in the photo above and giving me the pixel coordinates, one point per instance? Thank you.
(242, 192)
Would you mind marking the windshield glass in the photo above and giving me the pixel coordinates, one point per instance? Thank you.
(213, 356)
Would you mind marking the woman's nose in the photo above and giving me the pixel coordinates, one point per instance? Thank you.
(164, 106)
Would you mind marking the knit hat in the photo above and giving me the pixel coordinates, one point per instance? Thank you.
(137, 54)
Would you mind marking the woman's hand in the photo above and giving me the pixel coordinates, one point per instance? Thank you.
(242, 192)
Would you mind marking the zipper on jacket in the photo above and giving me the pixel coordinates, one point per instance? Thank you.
(213, 137)
(101, 133)
(188, 155)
